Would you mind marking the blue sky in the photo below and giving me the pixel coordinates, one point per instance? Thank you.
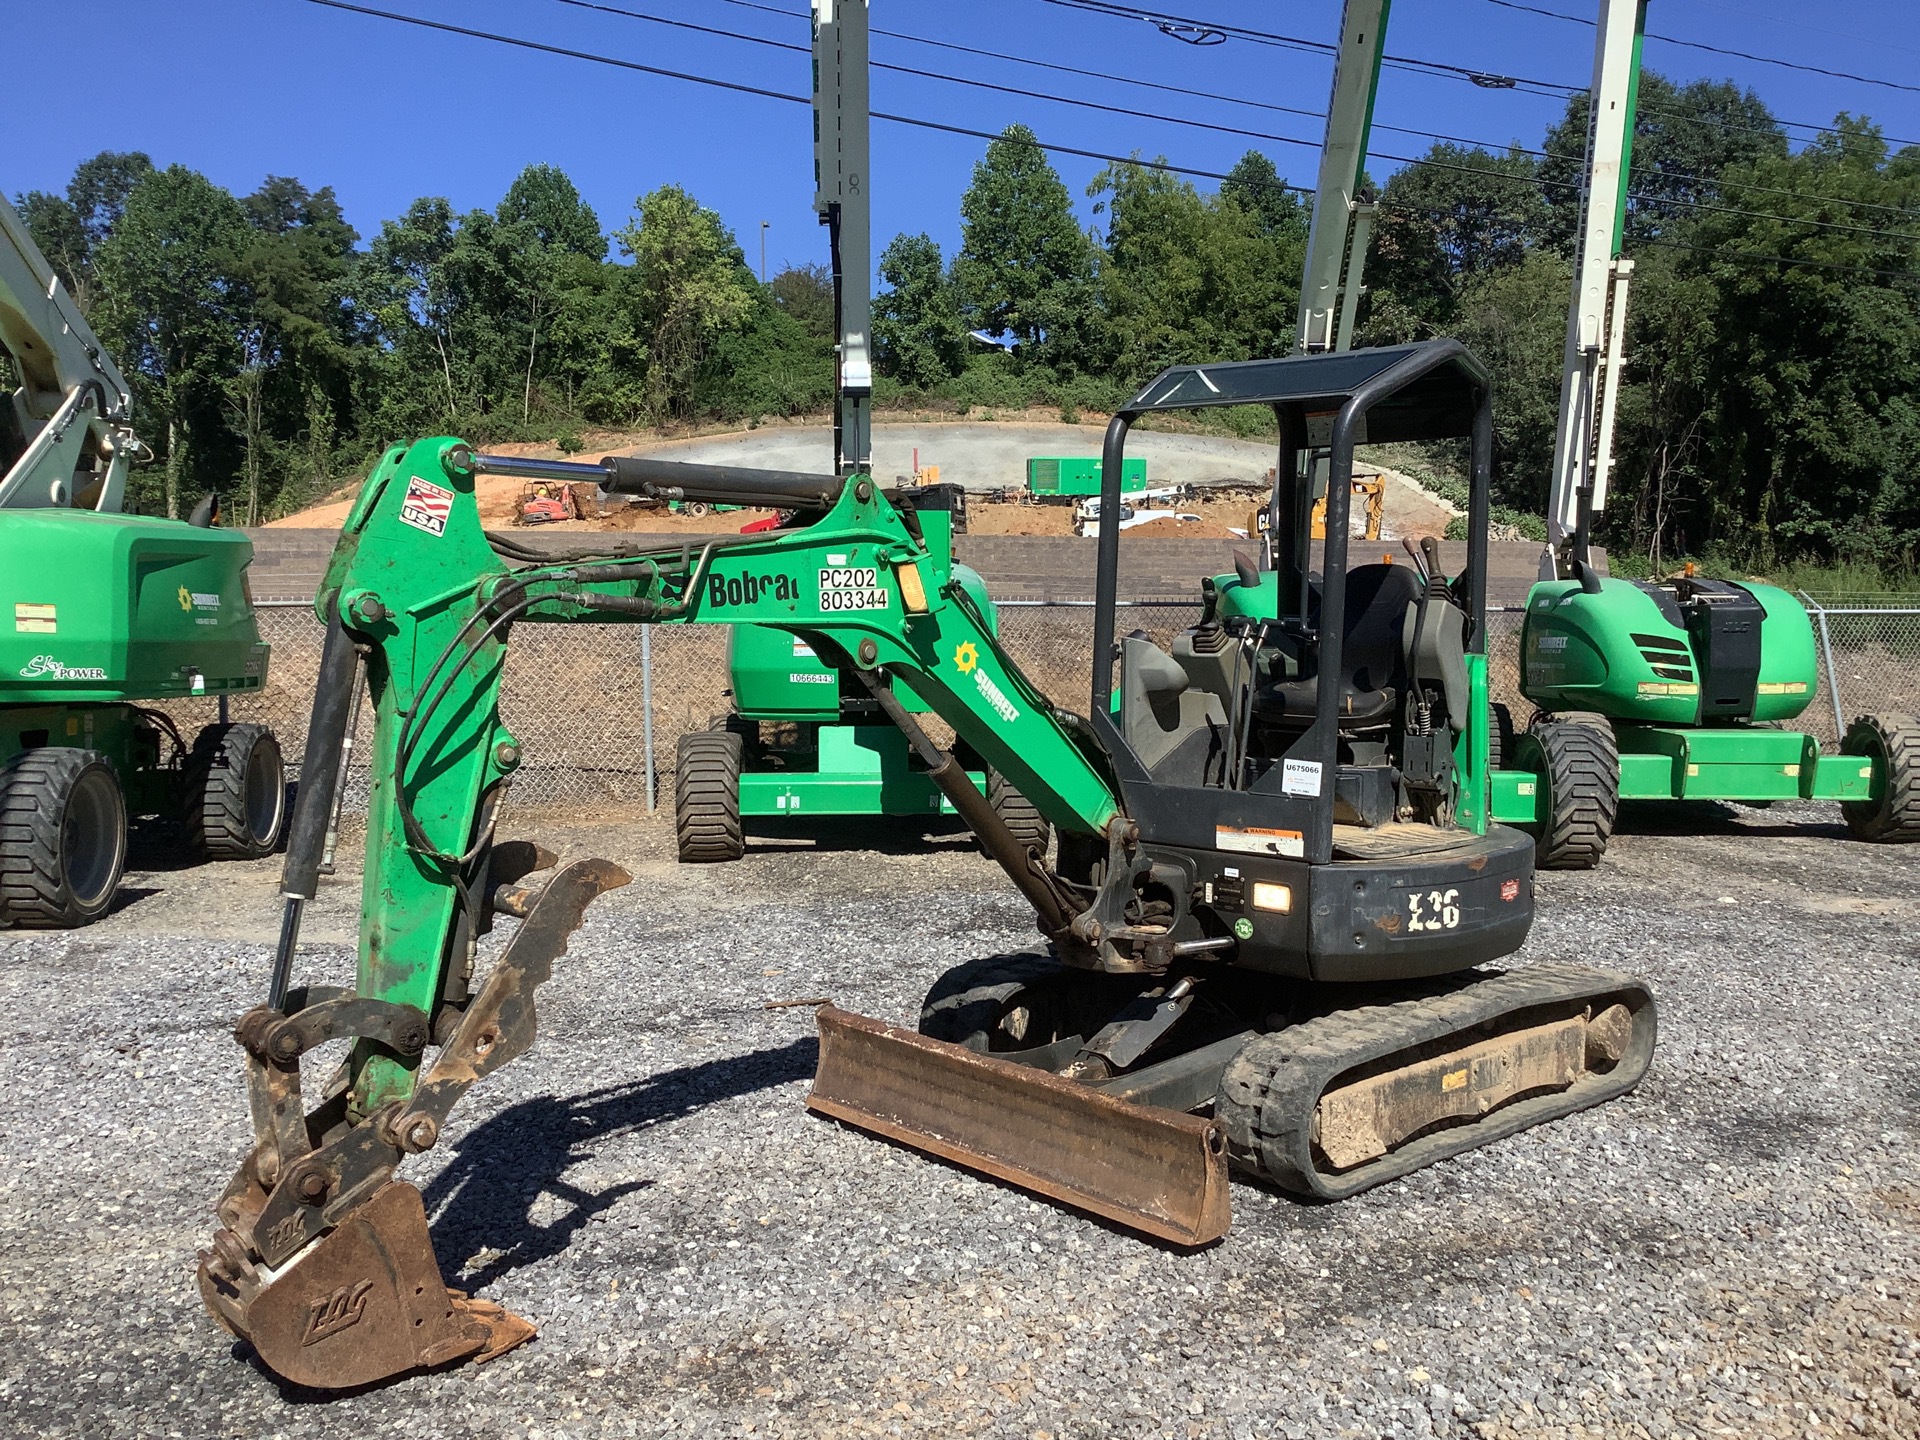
(384, 112)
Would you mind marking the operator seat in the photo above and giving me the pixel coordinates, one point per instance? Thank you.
(1373, 656)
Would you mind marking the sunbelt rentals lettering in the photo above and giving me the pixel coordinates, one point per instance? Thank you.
(966, 659)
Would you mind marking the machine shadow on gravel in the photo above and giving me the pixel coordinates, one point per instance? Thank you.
(483, 1201)
(884, 835)
(1711, 817)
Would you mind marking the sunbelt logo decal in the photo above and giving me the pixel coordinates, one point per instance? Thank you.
(966, 659)
(191, 600)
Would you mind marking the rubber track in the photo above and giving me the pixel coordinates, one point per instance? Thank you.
(214, 790)
(1270, 1089)
(1583, 789)
(33, 891)
(1021, 815)
(1895, 818)
(706, 797)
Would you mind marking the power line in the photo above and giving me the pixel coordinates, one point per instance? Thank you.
(1719, 49)
(744, 89)
(1162, 19)
(935, 75)
(921, 123)
(1169, 119)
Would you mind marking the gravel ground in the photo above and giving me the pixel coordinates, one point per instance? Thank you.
(1734, 1249)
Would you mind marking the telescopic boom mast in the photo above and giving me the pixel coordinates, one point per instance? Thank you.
(840, 173)
(1597, 317)
(1342, 211)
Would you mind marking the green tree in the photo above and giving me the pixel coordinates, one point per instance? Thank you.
(1816, 365)
(919, 338)
(1514, 319)
(806, 293)
(70, 229)
(1684, 138)
(1025, 268)
(1186, 277)
(689, 284)
(1455, 215)
(545, 199)
(167, 306)
(296, 337)
(1256, 187)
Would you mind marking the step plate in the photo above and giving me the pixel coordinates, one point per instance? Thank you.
(1157, 1171)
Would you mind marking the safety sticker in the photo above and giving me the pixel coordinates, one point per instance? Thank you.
(1299, 777)
(1667, 687)
(1259, 840)
(1794, 687)
(427, 506)
(36, 619)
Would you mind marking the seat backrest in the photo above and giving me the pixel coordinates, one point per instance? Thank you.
(1373, 653)
(1160, 710)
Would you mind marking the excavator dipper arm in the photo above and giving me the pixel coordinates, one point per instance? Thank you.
(322, 1259)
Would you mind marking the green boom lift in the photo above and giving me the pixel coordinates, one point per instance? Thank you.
(101, 612)
(803, 739)
(1669, 690)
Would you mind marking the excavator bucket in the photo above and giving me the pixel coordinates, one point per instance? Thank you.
(1149, 1169)
(364, 1303)
(323, 1261)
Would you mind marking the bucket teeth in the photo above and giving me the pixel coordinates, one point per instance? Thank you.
(361, 1305)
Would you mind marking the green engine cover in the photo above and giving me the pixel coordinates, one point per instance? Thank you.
(107, 608)
(776, 676)
(1637, 653)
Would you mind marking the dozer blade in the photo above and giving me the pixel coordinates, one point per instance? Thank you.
(1149, 1169)
(364, 1303)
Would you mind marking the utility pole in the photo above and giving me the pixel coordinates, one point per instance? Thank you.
(1597, 318)
(763, 250)
(840, 173)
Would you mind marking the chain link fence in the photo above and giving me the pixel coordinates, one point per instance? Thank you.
(601, 708)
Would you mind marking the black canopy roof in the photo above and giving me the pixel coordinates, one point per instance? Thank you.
(1442, 387)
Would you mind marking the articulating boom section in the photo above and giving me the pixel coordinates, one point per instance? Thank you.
(322, 1260)
(66, 435)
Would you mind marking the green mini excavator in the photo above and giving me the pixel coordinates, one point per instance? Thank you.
(1275, 877)
(1261, 930)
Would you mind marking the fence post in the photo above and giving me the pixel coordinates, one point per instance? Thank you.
(646, 708)
(1833, 677)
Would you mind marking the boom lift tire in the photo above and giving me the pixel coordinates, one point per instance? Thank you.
(1893, 819)
(1500, 735)
(1592, 719)
(234, 793)
(1022, 1001)
(1021, 815)
(1580, 766)
(1581, 1036)
(63, 838)
(706, 797)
